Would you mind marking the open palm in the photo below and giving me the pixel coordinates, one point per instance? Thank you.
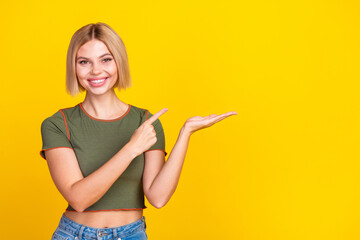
(196, 123)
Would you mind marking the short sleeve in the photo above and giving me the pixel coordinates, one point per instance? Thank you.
(53, 135)
(160, 143)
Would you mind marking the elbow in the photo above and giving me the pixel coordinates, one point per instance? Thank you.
(157, 200)
(156, 203)
(159, 204)
(76, 202)
(77, 206)
(80, 210)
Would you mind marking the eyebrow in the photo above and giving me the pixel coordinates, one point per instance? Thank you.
(98, 57)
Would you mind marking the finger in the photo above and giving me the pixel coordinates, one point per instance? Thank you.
(156, 116)
(221, 117)
(224, 114)
(229, 113)
(211, 116)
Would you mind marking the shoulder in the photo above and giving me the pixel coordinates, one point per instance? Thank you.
(139, 111)
(70, 112)
(58, 117)
(53, 124)
(145, 114)
(54, 118)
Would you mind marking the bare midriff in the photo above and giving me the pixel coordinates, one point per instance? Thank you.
(105, 219)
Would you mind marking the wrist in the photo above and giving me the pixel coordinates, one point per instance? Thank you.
(185, 131)
(132, 150)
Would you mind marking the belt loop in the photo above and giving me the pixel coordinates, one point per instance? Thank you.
(81, 231)
(144, 222)
(115, 233)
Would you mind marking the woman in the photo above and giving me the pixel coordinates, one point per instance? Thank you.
(104, 155)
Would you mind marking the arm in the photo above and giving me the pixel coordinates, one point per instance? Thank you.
(82, 192)
(161, 180)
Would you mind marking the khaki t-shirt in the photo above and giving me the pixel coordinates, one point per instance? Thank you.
(95, 141)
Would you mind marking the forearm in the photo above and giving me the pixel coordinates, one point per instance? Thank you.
(91, 188)
(165, 183)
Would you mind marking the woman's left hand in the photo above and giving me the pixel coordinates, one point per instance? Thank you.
(194, 124)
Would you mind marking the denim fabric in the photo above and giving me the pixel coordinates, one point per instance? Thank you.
(70, 230)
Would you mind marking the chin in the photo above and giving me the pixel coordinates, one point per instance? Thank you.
(98, 92)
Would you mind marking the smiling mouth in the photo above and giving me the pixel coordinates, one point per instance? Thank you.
(97, 82)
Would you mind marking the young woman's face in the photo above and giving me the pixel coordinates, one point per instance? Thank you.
(95, 67)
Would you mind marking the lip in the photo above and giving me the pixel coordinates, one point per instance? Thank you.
(96, 78)
(98, 84)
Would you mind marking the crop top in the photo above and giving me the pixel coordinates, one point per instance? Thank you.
(95, 141)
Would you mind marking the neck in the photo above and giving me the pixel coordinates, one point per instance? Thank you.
(103, 106)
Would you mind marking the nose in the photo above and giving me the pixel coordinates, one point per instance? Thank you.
(95, 69)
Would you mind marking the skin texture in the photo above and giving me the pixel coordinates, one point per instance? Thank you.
(160, 178)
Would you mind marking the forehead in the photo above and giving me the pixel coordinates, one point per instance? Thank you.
(92, 48)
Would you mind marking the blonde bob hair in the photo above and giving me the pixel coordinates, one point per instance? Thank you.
(111, 39)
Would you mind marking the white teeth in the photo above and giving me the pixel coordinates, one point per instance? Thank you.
(98, 81)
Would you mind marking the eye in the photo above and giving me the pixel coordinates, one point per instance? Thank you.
(82, 61)
(107, 59)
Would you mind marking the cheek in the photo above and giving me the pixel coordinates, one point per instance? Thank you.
(82, 77)
(81, 72)
(113, 69)
(82, 82)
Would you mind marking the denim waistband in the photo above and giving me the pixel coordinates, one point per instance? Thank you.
(84, 231)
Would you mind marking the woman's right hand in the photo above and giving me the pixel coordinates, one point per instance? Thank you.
(145, 136)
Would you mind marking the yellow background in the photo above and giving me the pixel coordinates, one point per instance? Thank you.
(286, 167)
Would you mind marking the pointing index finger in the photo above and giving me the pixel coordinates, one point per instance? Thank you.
(156, 116)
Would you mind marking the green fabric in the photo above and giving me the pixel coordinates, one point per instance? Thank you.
(96, 141)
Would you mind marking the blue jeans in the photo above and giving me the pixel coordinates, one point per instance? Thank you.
(70, 230)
